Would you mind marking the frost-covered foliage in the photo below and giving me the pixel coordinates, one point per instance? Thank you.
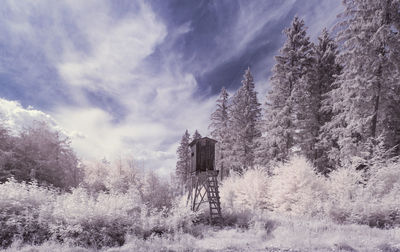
(346, 196)
(296, 187)
(284, 115)
(104, 220)
(21, 207)
(344, 187)
(243, 196)
(183, 162)
(117, 176)
(263, 210)
(244, 119)
(219, 127)
(379, 204)
(33, 214)
(246, 192)
(122, 176)
(196, 135)
(38, 153)
(269, 232)
(365, 102)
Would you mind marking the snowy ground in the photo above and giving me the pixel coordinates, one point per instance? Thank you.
(276, 233)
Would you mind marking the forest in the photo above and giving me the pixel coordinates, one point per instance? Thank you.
(315, 168)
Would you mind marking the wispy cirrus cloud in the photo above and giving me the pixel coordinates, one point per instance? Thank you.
(101, 69)
(128, 77)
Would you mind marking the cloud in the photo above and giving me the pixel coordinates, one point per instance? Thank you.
(15, 117)
(102, 63)
(159, 106)
(117, 48)
(122, 80)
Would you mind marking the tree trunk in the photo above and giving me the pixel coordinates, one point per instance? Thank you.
(376, 108)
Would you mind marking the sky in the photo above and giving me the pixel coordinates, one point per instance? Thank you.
(126, 78)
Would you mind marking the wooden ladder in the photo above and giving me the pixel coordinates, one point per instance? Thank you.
(211, 186)
(208, 181)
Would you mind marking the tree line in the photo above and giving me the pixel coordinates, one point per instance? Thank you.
(39, 153)
(336, 101)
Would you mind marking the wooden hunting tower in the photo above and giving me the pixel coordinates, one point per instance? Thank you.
(202, 155)
(203, 177)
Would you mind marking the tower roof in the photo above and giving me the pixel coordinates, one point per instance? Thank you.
(201, 139)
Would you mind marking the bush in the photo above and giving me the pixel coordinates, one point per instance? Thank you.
(245, 192)
(347, 196)
(242, 196)
(94, 221)
(379, 202)
(20, 212)
(345, 190)
(372, 201)
(296, 187)
(180, 217)
(33, 214)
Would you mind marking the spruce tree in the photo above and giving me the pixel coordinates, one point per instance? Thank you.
(288, 103)
(220, 131)
(183, 163)
(365, 102)
(326, 69)
(196, 135)
(245, 114)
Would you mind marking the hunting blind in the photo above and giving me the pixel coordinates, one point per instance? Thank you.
(202, 155)
(203, 177)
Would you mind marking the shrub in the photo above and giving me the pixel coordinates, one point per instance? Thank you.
(345, 189)
(243, 195)
(374, 202)
(378, 204)
(180, 216)
(20, 209)
(295, 187)
(245, 192)
(33, 214)
(94, 221)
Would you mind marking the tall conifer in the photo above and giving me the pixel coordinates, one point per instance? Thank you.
(245, 114)
(287, 108)
(183, 163)
(220, 131)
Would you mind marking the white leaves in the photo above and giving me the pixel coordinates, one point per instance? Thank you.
(246, 192)
(183, 163)
(296, 187)
(220, 131)
(289, 115)
(245, 115)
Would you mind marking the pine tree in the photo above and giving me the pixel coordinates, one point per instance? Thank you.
(183, 163)
(326, 68)
(220, 131)
(366, 101)
(196, 135)
(245, 114)
(288, 105)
